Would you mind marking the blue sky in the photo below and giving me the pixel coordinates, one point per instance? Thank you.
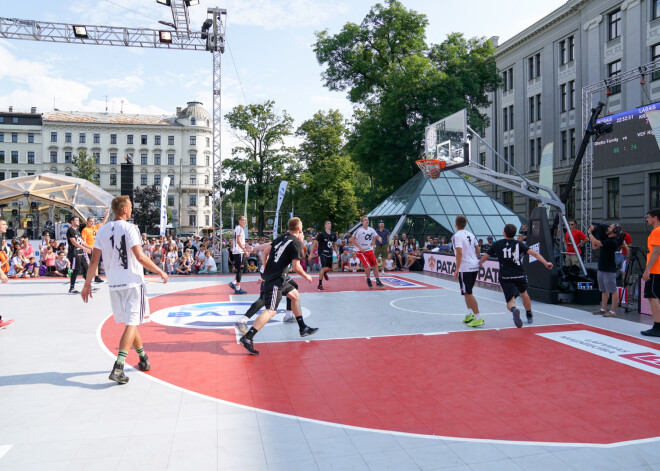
(269, 53)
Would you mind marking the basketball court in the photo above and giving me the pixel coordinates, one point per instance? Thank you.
(392, 380)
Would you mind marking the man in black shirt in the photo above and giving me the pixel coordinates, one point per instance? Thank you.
(285, 250)
(513, 280)
(326, 241)
(76, 255)
(607, 268)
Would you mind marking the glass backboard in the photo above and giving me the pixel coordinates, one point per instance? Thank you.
(445, 140)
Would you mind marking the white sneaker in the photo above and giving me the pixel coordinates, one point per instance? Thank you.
(289, 318)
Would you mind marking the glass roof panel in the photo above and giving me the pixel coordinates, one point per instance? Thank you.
(459, 186)
(451, 206)
(486, 205)
(432, 204)
(468, 205)
(418, 208)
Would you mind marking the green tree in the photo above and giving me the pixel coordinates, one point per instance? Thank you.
(85, 167)
(146, 208)
(326, 189)
(262, 158)
(402, 85)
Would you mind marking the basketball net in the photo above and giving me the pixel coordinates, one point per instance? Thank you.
(431, 167)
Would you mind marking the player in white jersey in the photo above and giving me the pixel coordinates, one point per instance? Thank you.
(364, 238)
(238, 252)
(120, 243)
(466, 248)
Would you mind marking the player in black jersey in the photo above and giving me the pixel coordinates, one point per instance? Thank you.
(513, 280)
(326, 241)
(285, 250)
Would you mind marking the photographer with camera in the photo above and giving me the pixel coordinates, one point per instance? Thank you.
(609, 243)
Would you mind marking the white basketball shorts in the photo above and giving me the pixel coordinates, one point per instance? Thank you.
(130, 305)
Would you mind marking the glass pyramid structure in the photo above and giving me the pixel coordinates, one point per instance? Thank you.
(423, 206)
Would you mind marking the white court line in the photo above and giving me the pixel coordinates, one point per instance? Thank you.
(364, 429)
(4, 449)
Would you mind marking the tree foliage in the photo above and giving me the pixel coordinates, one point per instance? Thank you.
(262, 158)
(85, 167)
(401, 85)
(146, 208)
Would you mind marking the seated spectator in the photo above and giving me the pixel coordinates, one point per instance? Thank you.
(252, 266)
(200, 258)
(389, 263)
(4, 247)
(4, 261)
(398, 259)
(414, 261)
(62, 264)
(345, 260)
(171, 258)
(28, 251)
(31, 268)
(158, 256)
(355, 264)
(185, 263)
(17, 264)
(208, 266)
(489, 242)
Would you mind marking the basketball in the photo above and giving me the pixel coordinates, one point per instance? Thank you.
(434, 172)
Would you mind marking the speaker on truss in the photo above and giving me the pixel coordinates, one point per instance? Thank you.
(127, 179)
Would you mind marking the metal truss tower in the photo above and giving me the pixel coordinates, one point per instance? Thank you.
(588, 94)
(211, 38)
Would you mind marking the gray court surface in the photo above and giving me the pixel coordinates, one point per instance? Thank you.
(59, 411)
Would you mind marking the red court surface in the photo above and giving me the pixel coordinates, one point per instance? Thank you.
(508, 384)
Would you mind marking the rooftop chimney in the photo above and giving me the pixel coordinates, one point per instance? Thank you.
(11, 108)
(33, 110)
(495, 40)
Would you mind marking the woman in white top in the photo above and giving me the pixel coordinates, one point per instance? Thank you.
(209, 264)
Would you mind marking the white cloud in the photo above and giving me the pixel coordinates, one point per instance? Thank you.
(130, 83)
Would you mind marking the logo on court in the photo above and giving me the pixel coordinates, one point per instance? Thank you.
(220, 315)
(399, 282)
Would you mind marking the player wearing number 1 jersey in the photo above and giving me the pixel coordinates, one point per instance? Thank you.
(120, 243)
(467, 252)
(513, 280)
(326, 241)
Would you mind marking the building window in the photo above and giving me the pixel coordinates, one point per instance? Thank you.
(67, 137)
(482, 159)
(143, 159)
(505, 119)
(113, 179)
(193, 140)
(208, 220)
(53, 156)
(562, 97)
(206, 200)
(614, 25)
(143, 139)
(157, 140)
(97, 177)
(156, 159)
(14, 137)
(157, 179)
(193, 200)
(170, 200)
(206, 179)
(655, 13)
(143, 179)
(2, 137)
(532, 110)
(193, 159)
(193, 179)
(53, 137)
(68, 157)
(654, 190)
(82, 138)
(193, 121)
(2, 176)
(655, 54)
(534, 66)
(30, 156)
(170, 140)
(563, 56)
(507, 199)
(97, 138)
(14, 174)
(571, 95)
(511, 118)
(614, 69)
(571, 48)
(192, 219)
(612, 198)
(170, 159)
(129, 139)
(113, 139)
(208, 161)
(2, 156)
(171, 177)
(538, 107)
(572, 142)
(539, 150)
(14, 156)
(511, 161)
(507, 79)
(97, 158)
(113, 158)
(31, 138)
(532, 152)
(564, 145)
(208, 142)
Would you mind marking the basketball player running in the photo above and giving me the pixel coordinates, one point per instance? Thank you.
(364, 238)
(326, 241)
(513, 280)
(121, 246)
(238, 252)
(285, 250)
(3, 277)
(467, 252)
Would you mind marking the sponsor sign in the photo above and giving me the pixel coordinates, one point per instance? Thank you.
(628, 353)
(220, 315)
(395, 282)
(446, 265)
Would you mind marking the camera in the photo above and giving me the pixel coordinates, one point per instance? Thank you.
(600, 232)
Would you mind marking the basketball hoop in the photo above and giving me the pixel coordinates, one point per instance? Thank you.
(431, 167)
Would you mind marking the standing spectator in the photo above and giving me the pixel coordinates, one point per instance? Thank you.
(580, 239)
(158, 256)
(607, 268)
(523, 232)
(381, 248)
(651, 275)
(622, 255)
(89, 236)
(239, 253)
(77, 249)
(170, 259)
(49, 261)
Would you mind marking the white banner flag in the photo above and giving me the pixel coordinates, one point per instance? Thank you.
(163, 205)
(280, 197)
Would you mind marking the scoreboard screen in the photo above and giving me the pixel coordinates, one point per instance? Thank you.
(632, 140)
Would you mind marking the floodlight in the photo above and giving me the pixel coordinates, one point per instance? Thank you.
(80, 31)
(165, 2)
(165, 36)
(205, 27)
(192, 3)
